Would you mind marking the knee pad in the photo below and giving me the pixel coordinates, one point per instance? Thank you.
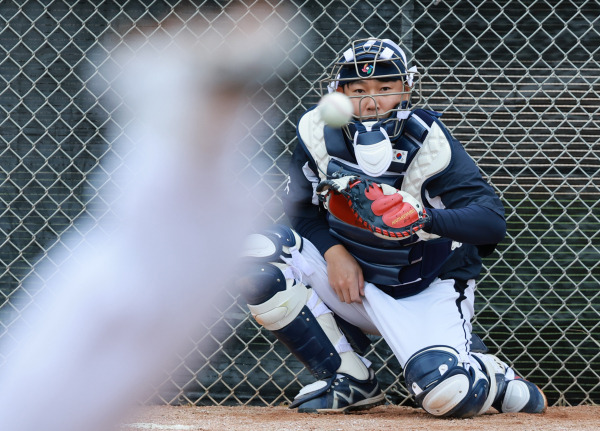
(273, 244)
(264, 271)
(444, 386)
(274, 299)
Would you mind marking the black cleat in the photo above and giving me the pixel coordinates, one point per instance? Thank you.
(341, 394)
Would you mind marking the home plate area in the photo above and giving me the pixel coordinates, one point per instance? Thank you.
(280, 418)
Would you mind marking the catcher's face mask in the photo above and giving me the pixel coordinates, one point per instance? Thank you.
(375, 59)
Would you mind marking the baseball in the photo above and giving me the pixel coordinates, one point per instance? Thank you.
(336, 109)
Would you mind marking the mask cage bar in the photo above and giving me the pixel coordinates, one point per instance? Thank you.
(414, 99)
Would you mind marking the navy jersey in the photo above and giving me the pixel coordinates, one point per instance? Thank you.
(463, 206)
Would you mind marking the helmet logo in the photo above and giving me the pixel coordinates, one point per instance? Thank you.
(367, 69)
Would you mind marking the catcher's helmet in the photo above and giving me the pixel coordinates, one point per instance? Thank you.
(375, 59)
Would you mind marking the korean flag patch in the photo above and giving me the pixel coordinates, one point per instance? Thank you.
(399, 156)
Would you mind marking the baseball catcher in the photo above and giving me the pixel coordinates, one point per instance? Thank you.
(391, 219)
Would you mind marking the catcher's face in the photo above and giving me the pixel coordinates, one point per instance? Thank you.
(374, 99)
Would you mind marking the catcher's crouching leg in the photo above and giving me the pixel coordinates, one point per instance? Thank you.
(444, 386)
(280, 302)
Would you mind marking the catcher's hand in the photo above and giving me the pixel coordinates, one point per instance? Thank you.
(386, 211)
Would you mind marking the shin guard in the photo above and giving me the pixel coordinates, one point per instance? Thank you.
(278, 299)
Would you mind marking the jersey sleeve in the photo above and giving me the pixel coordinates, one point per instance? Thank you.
(466, 208)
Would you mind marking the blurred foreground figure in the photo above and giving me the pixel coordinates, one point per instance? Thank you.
(122, 305)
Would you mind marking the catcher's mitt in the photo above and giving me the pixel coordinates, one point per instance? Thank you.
(386, 211)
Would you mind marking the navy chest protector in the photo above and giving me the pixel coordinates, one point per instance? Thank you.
(398, 267)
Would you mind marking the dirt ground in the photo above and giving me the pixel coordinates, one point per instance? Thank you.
(388, 417)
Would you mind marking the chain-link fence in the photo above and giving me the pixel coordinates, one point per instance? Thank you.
(518, 83)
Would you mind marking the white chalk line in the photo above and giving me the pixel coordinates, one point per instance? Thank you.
(148, 426)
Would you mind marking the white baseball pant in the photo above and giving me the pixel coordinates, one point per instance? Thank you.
(439, 315)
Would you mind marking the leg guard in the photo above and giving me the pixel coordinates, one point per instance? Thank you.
(279, 304)
(445, 387)
(514, 393)
(520, 395)
(278, 300)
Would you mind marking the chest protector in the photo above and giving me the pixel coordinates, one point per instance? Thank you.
(401, 267)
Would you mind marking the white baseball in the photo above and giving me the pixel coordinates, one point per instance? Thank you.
(336, 109)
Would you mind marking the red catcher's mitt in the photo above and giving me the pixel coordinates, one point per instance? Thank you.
(386, 211)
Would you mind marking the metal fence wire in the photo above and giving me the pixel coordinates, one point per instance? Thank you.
(517, 82)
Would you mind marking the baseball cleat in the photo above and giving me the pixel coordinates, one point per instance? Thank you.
(341, 394)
